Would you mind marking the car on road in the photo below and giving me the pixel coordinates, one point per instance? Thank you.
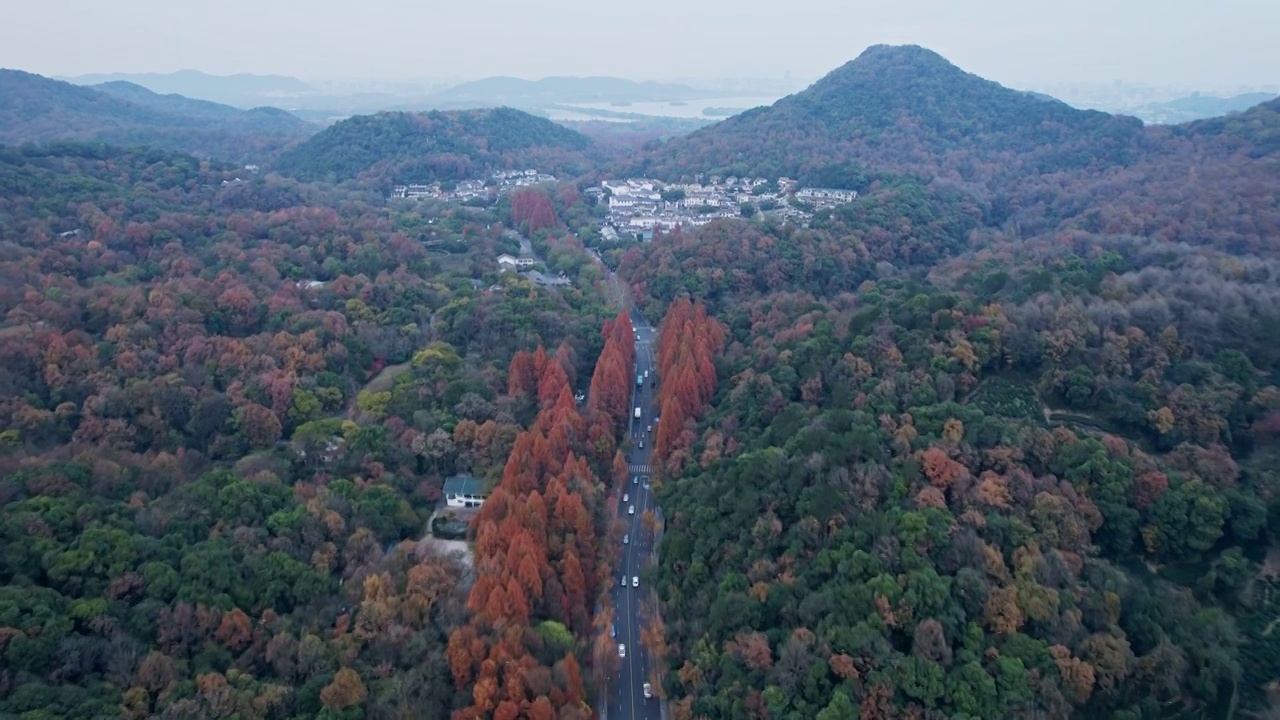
(641, 444)
(635, 479)
(648, 428)
(626, 497)
(622, 581)
(631, 510)
(622, 650)
(626, 539)
(648, 691)
(635, 581)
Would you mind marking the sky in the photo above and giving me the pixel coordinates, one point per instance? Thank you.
(1226, 43)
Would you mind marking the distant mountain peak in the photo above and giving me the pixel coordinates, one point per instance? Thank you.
(893, 68)
(902, 108)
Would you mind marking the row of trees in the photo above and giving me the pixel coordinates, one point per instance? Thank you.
(688, 342)
(542, 565)
(610, 393)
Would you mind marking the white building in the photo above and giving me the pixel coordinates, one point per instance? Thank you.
(508, 262)
(464, 491)
(828, 194)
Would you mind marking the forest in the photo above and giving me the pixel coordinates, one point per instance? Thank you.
(35, 109)
(1032, 166)
(997, 438)
(983, 493)
(228, 411)
(393, 147)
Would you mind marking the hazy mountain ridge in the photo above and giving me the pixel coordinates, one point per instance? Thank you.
(322, 100)
(438, 145)
(240, 90)
(260, 119)
(37, 109)
(1199, 107)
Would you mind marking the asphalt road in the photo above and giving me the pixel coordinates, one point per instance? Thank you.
(625, 697)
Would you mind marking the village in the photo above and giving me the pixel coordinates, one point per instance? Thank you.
(464, 190)
(635, 207)
(638, 206)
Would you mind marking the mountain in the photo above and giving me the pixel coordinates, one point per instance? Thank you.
(453, 145)
(1258, 128)
(37, 109)
(553, 90)
(1199, 107)
(262, 119)
(906, 109)
(242, 90)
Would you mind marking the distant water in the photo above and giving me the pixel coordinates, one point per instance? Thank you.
(692, 108)
(560, 114)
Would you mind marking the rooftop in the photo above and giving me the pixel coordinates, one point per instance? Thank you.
(464, 485)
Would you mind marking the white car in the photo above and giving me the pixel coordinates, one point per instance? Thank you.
(622, 581)
(648, 691)
(635, 581)
(631, 510)
(626, 540)
(626, 497)
(622, 650)
(641, 444)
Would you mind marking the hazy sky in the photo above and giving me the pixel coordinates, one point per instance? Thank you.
(1020, 42)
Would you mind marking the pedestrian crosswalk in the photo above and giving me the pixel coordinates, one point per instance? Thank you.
(640, 470)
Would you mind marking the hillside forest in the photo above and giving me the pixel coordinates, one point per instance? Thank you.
(969, 456)
(228, 411)
(996, 439)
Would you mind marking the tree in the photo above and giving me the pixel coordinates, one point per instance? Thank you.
(532, 208)
(235, 631)
(346, 690)
(752, 649)
(259, 427)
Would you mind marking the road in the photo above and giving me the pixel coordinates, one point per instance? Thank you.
(625, 697)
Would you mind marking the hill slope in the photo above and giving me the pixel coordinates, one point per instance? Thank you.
(1258, 127)
(907, 109)
(36, 109)
(407, 147)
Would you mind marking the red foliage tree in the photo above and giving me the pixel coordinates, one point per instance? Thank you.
(536, 551)
(688, 342)
(532, 206)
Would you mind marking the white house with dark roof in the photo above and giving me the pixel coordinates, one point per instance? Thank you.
(510, 262)
(464, 491)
